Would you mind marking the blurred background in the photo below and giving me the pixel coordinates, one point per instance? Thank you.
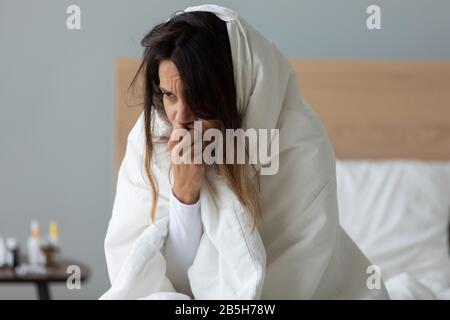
(58, 108)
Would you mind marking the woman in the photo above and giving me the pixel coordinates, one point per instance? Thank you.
(181, 229)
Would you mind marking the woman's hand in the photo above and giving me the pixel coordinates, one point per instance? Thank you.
(188, 176)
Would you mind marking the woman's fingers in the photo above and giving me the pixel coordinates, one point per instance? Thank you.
(185, 146)
(178, 133)
(177, 143)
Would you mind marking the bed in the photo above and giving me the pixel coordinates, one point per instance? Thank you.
(389, 123)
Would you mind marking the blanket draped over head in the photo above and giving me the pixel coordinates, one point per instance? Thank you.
(297, 251)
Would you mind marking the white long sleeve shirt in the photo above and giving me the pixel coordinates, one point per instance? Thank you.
(185, 231)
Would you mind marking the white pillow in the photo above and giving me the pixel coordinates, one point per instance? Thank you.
(398, 213)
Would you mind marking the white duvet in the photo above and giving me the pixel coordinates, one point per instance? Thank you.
(429, 286)
(297, 251)
(398, 211)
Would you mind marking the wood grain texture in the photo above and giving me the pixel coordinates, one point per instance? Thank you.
(128, 103)
(381, 110)
(370, 109)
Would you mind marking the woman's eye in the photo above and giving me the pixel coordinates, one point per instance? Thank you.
(169, 96)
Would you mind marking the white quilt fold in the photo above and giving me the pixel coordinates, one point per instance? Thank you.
(230, 261)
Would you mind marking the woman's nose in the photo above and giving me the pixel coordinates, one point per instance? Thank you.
(183, 114)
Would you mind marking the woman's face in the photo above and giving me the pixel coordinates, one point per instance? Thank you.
(176, 109)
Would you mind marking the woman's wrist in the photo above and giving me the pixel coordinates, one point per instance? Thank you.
(185, 196)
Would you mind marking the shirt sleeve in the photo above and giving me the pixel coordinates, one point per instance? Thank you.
(185, 231)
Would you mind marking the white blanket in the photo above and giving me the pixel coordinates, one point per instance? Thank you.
(430, 285)
(297, 251)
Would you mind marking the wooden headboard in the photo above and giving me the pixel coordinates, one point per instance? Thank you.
(370, 109)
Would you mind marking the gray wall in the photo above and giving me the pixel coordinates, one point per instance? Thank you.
(57, 97)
